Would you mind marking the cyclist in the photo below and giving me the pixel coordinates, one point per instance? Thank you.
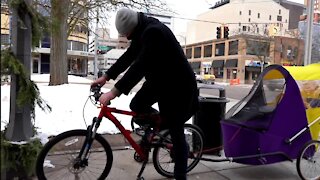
(156, 55)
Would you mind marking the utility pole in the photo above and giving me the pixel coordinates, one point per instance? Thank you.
(308, 40)
(95, 63)
(20, 126)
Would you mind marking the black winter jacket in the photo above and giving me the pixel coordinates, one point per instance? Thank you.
(156, 55)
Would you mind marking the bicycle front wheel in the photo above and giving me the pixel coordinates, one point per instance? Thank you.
(59, 158)
(308, 163)
(163, 157)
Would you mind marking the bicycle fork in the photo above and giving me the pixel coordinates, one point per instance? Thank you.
(92, 130)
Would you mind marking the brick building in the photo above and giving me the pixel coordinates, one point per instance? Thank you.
(243, 56)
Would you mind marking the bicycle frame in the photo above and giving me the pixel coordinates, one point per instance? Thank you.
(107, 113)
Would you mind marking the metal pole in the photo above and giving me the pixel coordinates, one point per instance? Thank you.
(308, 40)
(95, 63)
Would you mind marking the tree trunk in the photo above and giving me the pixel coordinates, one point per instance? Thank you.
(20, 126)
(58, 53)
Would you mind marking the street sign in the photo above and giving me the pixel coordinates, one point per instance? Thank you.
(104, 48)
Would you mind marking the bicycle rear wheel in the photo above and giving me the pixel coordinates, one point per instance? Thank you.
(163, 158)
(59, 158)
(308, 163)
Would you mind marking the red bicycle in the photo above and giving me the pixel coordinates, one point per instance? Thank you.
(85, 154)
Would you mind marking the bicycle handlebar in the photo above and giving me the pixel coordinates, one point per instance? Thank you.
(96, 92)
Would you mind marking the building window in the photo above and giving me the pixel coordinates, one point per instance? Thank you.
(244, 28)
(208, 51)
(220, 49)
(289, 53)
(249, 12)
(45, 43)
(69, 45)
(239, 23)
(279, 18)
(279, 11)
(189, 53)
(257, 30)
(197, 52)
(270, 17)
(5, 39)
(295, 53)
(248, 28)
(233, 47)
(35, 65)
(240, 13)
(282, 50)
(79, 46)
(258, 15)
(249, 20)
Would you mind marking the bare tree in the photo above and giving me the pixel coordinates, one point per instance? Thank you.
(58, 52)
(259, 46)
(315, 55)
(67, 15)
(315, 52)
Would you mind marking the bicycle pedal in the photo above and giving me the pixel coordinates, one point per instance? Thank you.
(140, 131)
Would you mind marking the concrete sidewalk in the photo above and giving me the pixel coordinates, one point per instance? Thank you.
(125, 167)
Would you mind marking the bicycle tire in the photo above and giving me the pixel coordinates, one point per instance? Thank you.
(195, 140)
(308, 163)
(57, 156)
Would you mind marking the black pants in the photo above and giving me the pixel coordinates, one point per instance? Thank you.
(142, 103)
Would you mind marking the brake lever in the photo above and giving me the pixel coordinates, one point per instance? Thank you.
(97, 96)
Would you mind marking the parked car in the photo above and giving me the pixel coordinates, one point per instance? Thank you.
(206, 78)
(209, 78)
(198, 78)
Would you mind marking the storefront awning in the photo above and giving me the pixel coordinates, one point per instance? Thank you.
(231, 63)
(195, 65)
(253, 68)
(218, 64)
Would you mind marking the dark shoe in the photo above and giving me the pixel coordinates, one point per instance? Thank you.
(141, 121)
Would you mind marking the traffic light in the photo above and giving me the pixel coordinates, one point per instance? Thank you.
(218, 32)
(226, 32)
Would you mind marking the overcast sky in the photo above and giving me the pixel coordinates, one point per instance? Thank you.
(186, 9)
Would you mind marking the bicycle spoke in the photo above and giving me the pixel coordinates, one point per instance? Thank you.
(163, 158)
(60, 158)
